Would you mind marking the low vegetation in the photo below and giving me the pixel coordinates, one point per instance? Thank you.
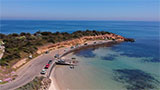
(36, 84)
(21, 45)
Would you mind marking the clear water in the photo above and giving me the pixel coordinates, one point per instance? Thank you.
(132, 66)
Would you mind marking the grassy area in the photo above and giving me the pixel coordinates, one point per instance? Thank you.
(3, 82)
(1, 51)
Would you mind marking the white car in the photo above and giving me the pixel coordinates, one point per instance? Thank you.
(43, 71)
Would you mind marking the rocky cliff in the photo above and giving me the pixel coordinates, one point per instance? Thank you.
(81, 41)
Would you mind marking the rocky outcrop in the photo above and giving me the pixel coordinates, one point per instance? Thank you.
(45, 84)
(129, 40)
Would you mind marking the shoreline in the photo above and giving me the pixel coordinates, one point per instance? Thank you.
(100, 43)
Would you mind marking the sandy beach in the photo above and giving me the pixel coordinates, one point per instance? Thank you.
(53, 85)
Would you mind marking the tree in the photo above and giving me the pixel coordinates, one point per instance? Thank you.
(22, 34)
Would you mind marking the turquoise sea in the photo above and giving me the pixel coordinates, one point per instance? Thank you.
(125, 66)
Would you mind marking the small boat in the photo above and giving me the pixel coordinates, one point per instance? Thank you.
(72, 66)
(86, 44)
(61, 62)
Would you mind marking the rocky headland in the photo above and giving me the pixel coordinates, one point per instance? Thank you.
(83, 40)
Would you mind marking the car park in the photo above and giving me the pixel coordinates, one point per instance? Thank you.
(46, 52)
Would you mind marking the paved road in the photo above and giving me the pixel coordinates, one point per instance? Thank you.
(29, 71)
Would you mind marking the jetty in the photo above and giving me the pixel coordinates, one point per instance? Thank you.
(70, 62)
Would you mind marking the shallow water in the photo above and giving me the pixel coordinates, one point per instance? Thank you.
(110, 70)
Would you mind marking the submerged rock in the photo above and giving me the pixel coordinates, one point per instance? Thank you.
(136, 79)
(129, 40)
(88, 53)
(109, 57)
(154, 60)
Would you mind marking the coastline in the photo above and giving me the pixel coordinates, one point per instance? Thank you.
(55, 85)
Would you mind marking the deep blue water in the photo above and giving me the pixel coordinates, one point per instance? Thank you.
(146, 34)
(145, 51)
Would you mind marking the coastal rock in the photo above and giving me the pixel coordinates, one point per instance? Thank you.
(45, 83)
(129, 40)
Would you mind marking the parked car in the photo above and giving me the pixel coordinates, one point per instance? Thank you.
(85, 44)
(47, 66)
(47, 52)
(71, 47)
(50, 61)
(43, 71)
(56, 56)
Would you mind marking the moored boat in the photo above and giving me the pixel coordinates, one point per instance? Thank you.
(62, 62)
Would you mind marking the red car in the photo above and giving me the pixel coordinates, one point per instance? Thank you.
(47, 66)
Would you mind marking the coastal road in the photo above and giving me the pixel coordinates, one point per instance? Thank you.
(27, 72)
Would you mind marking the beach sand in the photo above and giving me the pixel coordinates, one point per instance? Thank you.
(53, 85)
